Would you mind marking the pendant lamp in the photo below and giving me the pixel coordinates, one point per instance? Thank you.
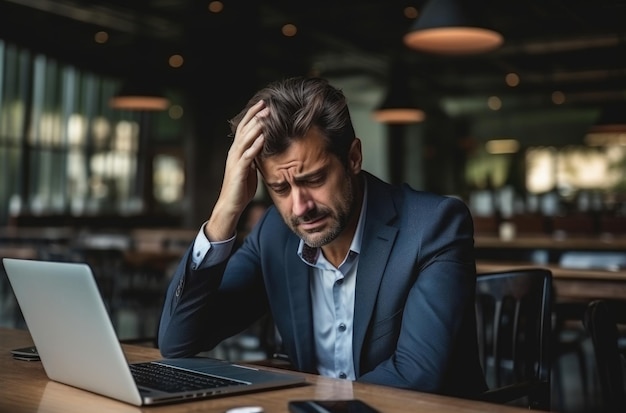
(452, 27)
(137, 95)
(398, 106)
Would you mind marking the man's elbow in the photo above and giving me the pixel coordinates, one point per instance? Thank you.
(169, 350)
(170, 347)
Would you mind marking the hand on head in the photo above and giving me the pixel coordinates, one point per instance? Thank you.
(240, 175)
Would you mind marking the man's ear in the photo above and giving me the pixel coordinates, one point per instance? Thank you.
(355, 157)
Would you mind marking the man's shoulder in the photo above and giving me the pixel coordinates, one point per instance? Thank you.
(410, 202)
(378, 187)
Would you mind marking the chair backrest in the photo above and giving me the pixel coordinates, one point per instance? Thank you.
(513, 312)
(601, 320)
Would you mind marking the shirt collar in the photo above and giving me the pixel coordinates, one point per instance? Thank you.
(309, 254)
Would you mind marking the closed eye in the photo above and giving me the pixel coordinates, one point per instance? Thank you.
(313, 180)
(280, 189)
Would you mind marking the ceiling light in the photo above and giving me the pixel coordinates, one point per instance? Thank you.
(399, 105)
(134, 95)
(395, 115)
(511, 79)
(452, 27)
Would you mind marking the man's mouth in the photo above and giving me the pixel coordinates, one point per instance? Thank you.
(313, 224)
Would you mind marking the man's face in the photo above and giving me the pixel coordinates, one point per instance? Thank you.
(312, 190)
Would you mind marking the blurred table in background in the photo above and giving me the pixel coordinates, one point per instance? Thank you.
(542, 249)
(571, 283)
(604, 243)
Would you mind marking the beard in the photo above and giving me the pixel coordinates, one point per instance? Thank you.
(339, 215)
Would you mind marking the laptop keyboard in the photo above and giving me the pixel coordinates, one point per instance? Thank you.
(170, 379)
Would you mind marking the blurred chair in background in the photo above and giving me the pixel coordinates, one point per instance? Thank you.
(513, 311)
(602, 318)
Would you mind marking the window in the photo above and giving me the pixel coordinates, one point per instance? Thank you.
(64, 151)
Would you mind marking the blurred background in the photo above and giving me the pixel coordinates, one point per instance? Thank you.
(114, 123)
(515, 116)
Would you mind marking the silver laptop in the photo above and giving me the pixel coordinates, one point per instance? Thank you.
(78, 346)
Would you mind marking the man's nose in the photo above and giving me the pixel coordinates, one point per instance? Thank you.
(302, 202)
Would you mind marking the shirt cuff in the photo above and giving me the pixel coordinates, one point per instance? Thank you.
(206, 253)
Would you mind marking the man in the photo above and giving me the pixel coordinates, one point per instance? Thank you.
(365, 281)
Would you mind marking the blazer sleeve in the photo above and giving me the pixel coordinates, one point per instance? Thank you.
(202, 307)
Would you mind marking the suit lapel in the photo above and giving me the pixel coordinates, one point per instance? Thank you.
(378, 239)
(298, 276)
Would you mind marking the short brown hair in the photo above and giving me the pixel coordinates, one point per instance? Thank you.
(298, 104)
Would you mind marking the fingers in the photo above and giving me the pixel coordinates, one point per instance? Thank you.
(240, 178)
(250, 114)
(250, 127)
(249, 139)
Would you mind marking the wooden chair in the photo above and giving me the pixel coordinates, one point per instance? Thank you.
(601, 322)
(513, 311)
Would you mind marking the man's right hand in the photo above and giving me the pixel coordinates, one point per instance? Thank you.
(240, 175)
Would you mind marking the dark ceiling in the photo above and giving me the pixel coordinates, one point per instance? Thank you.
(577, 47)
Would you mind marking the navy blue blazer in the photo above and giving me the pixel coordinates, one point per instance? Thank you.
(414, 321)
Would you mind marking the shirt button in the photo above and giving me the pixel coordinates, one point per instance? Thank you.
(198, 253)
(342, 327)
(342, 375)
(340, 281)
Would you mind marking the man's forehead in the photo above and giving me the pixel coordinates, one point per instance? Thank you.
(293, 168)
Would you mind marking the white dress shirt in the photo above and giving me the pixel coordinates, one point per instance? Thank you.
(332, 295)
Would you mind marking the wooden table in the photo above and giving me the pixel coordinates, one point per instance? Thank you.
(24, 388)
(571, 284)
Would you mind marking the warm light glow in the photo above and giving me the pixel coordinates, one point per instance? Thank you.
(50, 129)
(511, 79)
(606, 139)
(454, 40)
(176, 112)
(169, 178)
(126, 136)
(558, 97)
(399, 116)
(580, 167)
(502, 146)
(100, 129)
(139, 102)
(216, 6)
(289, 30)
(540, 174)
(76, 129)
(494, 103)
(176, 60)
(410, 12)
(101, 37)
